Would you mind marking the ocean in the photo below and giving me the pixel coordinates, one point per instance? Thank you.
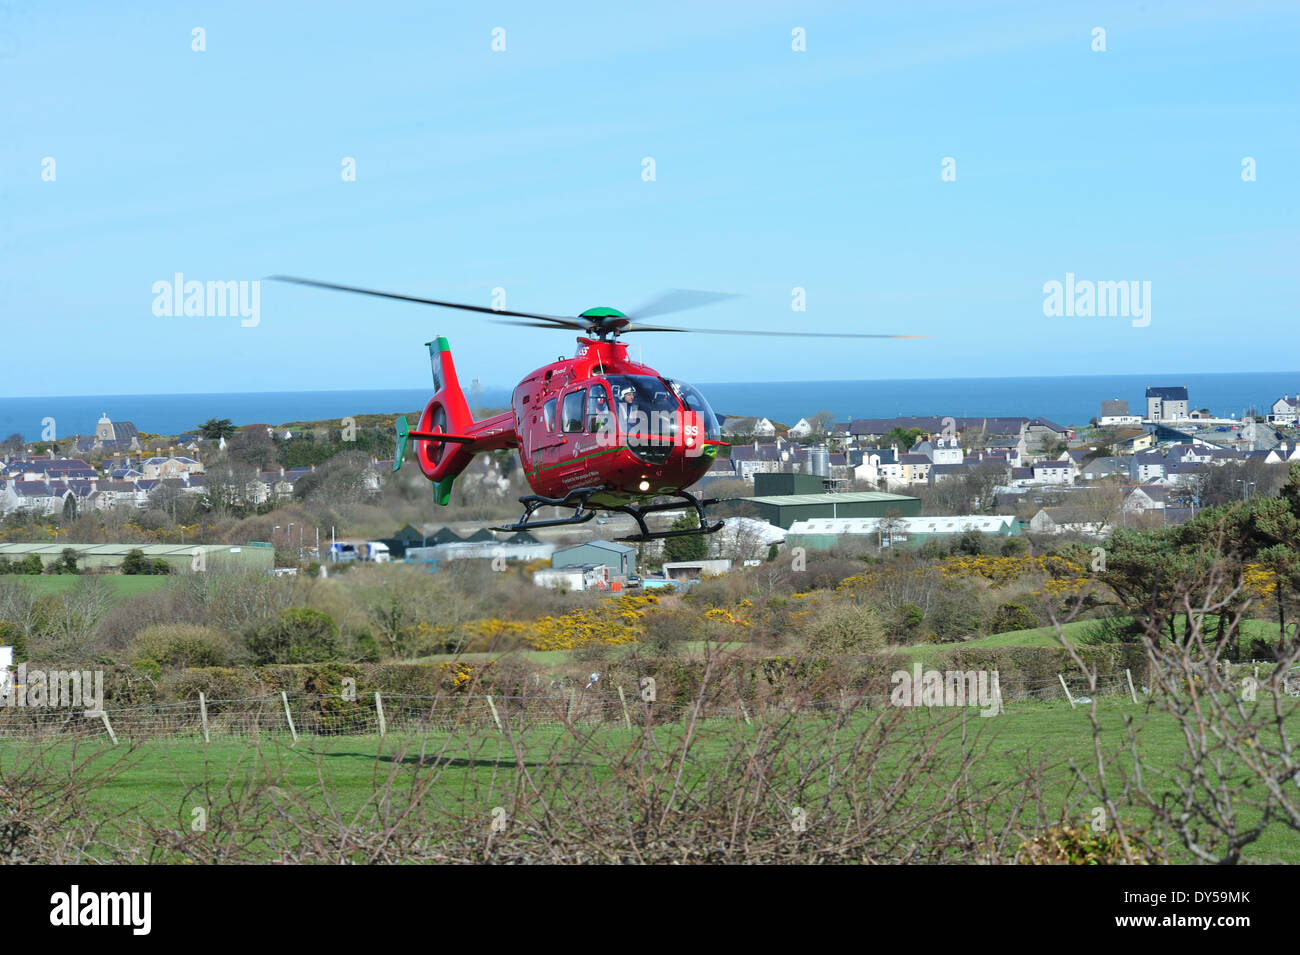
(1067, 401)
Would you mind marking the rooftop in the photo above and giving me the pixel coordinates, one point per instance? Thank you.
(856, 497)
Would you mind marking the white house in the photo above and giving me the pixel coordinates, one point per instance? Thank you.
(1145, 497)
(37, 496)
(1054, 472)
(802, 428)
(1148, 466)
(1068, 520)
(759, 427)
(1282, 454)
(1286, 410)
(1116, 412)
(944, 449)
(170, 467)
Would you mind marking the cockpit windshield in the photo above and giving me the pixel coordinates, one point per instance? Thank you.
(649, 415)
(694, 401)
(646, 406)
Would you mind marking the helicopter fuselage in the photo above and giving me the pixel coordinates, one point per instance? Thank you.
(600, 419)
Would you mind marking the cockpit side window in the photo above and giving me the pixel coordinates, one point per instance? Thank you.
(694, 401)
(599, 418)
(572, 410)
(548, 414)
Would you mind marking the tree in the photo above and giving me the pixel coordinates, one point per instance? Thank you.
(1012, 616)
(214, 429)
(229, 487)
(136, 563)
(971, 542)
(12, 635)
(70, 508)
(1214, 550)
(298, 635)
(892, 525)
(688, 547)
(822, 421)
(253, 447)
(901, 437)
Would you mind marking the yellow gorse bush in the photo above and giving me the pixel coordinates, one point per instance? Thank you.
(1258, 580)
(611, 623)
(1001, 571)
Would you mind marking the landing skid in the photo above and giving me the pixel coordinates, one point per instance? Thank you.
(576, 499)
(583, 510)
(639, 511)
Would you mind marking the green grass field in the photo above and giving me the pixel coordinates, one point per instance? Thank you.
(163, 780)
(121, 586)
(1074, 632)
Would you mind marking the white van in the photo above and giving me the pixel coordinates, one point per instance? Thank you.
(376, 551)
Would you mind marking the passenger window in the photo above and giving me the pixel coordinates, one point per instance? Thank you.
(598, 416)
(548, 412)
(573, 410)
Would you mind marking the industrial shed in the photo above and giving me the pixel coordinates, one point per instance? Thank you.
(783, 510)
(619, 558)
(247, 558)
(827, 533)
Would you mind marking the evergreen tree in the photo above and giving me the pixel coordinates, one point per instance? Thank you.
(689, 547)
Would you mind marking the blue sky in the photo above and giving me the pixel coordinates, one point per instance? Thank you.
(522, 169)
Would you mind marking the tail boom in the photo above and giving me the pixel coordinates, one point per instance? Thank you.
(448, 437)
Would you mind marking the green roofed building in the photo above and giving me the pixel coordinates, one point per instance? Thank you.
(781, 483)
(217, 558)
(784, 509)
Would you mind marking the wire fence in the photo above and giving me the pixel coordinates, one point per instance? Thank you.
(380, 714)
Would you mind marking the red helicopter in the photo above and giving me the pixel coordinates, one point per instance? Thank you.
(596, 432)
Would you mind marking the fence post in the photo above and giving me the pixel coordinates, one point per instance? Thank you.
(573, 703)
(103, 715)
(288, 716)
(745, 713)
(1128, 674)
(622, 701)
(495, 719)
(1066, 689)
(379, 711)
(203, 715)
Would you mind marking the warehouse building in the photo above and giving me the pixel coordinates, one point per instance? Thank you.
(829, 533)
(784, 510)
(482, 550)
(257, 557)
(619, 558)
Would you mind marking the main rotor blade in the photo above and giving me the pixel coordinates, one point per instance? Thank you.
(549, 323)
(734, 331)
(677, 300)
(559, 320)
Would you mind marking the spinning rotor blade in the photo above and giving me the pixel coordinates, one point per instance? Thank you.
(557, 320)
(737, 331)
(674, 300)
(549, 323)
(677, 300)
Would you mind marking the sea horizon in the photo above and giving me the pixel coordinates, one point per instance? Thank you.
(1065, 399)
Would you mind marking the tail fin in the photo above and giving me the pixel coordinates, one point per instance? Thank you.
(443, 448)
